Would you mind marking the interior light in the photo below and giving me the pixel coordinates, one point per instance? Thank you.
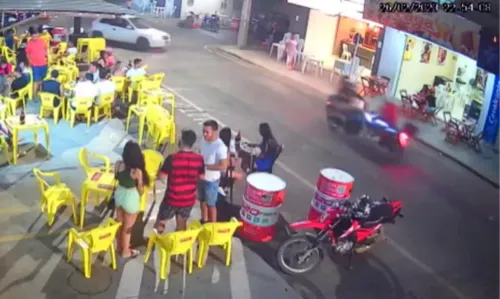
(495, 39)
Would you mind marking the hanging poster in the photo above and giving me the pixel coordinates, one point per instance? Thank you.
(425, 56)
(410, 44)
(441, 56)
(490, 131)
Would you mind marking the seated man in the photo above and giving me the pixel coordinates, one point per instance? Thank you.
(94, 70)
(53, 86)
(104, 85)
(18, 83)
(84, 89)
(136, 70)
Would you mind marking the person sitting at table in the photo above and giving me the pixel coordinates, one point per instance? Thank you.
(94, 71)
(225, 135)
(84, 88)
(110, 58)
(136, 70)
(431, 103)
(104, 85)
(9, 39)
(268, 148)
(53, 86)
(71, 50)
(20, 81)
(104, 59)
(118, 69)
(5, 72)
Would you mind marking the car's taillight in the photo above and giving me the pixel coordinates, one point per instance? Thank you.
(403, 139)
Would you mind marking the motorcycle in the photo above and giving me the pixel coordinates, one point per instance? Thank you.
(342, 229)
(211, 23)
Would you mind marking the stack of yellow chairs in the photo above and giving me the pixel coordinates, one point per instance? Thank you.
(97, 240)
(160, 126)
(54, 196)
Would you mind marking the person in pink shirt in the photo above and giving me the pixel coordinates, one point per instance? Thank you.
(36, 51)
(291, 52)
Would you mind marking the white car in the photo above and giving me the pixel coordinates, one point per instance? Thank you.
(131, 30)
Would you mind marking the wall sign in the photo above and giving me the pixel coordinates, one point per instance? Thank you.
(490, 131)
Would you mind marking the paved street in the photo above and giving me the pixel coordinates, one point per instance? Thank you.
(447, 245)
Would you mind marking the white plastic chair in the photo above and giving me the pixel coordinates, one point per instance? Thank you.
(280, 46)
(300, 49)
(158, 11)
(346, 55)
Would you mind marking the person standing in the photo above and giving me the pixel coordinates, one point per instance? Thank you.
(36, 50)
(132, 177)
(214, 154)
(183, 170)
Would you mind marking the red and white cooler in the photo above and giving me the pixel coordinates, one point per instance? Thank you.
(333, 186)
(264, 194)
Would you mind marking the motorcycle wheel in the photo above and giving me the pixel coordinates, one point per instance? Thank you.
(310, 256)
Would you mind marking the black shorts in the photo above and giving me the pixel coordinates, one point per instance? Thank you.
(168, 211)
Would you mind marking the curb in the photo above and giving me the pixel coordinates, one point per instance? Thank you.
(427, 144)
(459, 162)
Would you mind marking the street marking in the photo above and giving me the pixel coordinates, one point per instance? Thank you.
(424, 267)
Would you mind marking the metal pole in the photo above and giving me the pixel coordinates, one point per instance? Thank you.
(246, 12)
(3, 19)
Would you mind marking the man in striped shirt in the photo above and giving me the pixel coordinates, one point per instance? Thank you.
(183, 170)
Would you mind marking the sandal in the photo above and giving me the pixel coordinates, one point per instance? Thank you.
(133, 254)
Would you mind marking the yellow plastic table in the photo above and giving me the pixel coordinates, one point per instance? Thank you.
(32, 122)
(100, 183)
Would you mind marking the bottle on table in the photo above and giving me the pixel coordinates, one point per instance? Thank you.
(22, 117)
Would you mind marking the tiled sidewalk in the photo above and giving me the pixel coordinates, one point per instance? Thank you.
(484, 164)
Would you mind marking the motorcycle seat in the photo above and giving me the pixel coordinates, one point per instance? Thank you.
(379, 213)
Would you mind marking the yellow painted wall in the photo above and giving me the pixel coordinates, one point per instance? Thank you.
(320, 36)
(414, 74)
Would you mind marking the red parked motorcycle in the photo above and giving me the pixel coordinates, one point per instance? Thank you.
(351, 227)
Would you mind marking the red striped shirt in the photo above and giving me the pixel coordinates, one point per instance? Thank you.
(183, 170)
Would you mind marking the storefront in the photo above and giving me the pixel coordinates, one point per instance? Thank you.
(460, 86)
(439, 51)
(331, 28)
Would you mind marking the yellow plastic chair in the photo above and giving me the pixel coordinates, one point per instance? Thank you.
(46, 37)
(153, 160)
(96, 45)
(80, 44)
(157, 79)
(13, 103)
(9, 55)
(99, 239)
(120, 85)
(139, 111)
(4, 147)
(83, 157)
(47, 104)
(133, 86)
(54, 196)
(172, 244)
(105, 106)
(2, 41)
(63, 46)
(160, 125)
(82, 108)
(216, 234)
